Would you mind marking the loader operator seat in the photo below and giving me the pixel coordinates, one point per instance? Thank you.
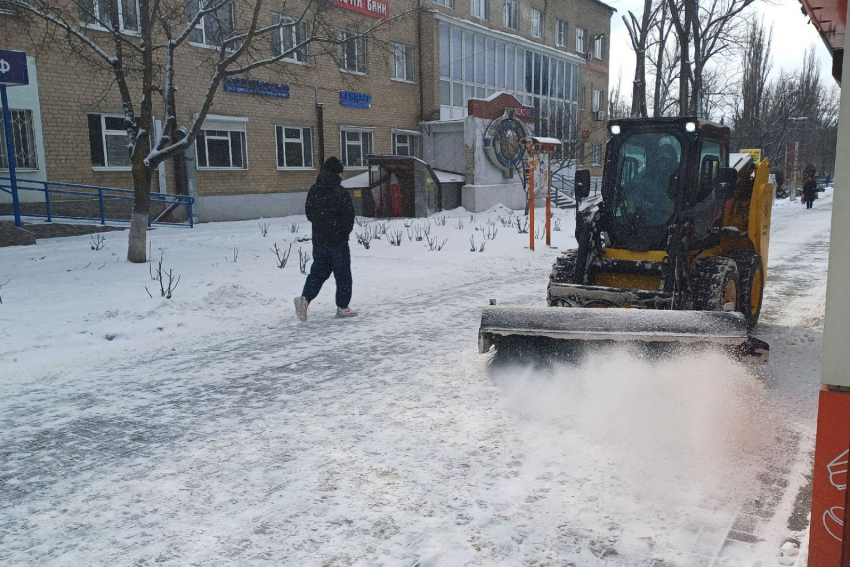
(648, 189)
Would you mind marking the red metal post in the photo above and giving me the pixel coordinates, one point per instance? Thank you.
(532, 165)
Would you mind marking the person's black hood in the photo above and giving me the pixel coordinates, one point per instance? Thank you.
(328, 180)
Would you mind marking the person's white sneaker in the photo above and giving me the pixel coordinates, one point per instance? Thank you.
(345, 313)
(301, 308)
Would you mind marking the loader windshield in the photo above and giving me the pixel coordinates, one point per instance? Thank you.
(641, 202)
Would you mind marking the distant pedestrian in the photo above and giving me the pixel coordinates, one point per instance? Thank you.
(331, 211)
(810, 191)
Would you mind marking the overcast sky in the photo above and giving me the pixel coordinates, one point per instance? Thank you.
(791, 36)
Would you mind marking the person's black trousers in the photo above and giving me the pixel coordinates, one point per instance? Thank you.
(329, 260)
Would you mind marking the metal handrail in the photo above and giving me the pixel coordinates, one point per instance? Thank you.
(102, 194)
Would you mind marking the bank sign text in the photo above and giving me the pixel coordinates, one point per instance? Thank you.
(375, 8)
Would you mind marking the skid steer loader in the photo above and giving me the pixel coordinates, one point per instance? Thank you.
(674, 250)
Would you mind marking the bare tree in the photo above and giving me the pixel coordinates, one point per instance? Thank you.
(711, 28)
(142, 63)
(639, 31)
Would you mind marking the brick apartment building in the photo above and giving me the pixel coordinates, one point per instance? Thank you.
(266, 134)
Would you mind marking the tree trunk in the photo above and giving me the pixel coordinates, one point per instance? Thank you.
(137, 247)
(639, 87)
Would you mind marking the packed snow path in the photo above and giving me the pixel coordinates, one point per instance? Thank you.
(215, 429)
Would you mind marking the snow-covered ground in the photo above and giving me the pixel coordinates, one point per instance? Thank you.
(215, 429)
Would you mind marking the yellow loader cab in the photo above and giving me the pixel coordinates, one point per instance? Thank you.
(678, 228)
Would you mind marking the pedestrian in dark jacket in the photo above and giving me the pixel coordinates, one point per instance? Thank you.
(330, 210)
(810, 191)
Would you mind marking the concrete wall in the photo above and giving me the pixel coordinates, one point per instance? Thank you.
(836, 329)
(443, 146)
(249, 206)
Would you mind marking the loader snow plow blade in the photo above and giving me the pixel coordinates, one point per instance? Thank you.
(505, 326)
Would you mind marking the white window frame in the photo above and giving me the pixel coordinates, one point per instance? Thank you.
(359, 43)
(32, 142)
(596, 154)
(95, 14)
(596, 103)
(413, 137)
(480, 9)
(293, 28)
(538, 24)
(228, 124)
(344, 142)
(510, 14)
(400, 55)
(581, 42)
(598, 47)
(446, 3)
(280, 141)
(562, 33)
(103, 134)
(202, 26)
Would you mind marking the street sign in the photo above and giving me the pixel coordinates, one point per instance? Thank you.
(755, 154)
(13, 68)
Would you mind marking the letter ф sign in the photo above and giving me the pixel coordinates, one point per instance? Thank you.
(375, 8)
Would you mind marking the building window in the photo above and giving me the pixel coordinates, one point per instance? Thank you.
(352, 56)
(401, 62)
(355, 145)
(599, 47)
(597, 100)
(446, 3)
(512, 14)
(580, 33)
(580, 152)
(480, 8)
(561, 40)
(294, 147)
(291, 34)
(23, 140)
(538, 23)
(95, 13)
(221, 144)
(213, 28)
(108, 142)
(596, 154)
(406, 144)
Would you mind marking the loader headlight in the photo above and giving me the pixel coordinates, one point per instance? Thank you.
(615, 129)
(690, 127)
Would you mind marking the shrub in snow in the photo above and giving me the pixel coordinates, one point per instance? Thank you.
(167, 282)
(361, 222)
(522, 225)
(473, 247)
(433, 245)
(364, 238)
(395, 238)
(98, 242)
(1, 287)
(490, 231)
(282, 257)
(293, 228)
(264, 228)
(557, 225)
(303, 258)
(459, 224)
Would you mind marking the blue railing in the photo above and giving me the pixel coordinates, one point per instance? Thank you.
(83, 197)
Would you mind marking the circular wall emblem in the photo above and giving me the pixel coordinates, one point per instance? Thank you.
(502, 142)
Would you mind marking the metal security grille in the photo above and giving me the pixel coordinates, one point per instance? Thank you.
(23, 140)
